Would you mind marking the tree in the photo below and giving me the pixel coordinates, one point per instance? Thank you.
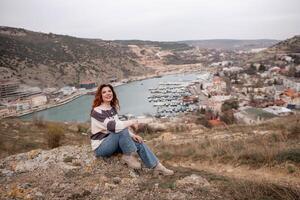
(292, 71)
(228, 85)
(251, 70)
(228, 117)
(229, 105)
(262, 68)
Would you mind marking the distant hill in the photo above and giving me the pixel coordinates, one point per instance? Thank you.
(56, 60)
(291, 45)
(272, 55)
(176, 46)
(228, 44)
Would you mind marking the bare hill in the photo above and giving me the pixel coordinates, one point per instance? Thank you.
(55, 60)
(228, 44)
(273, 54)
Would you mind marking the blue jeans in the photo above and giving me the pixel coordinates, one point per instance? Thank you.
(123, 143)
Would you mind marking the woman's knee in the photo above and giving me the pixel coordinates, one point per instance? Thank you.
(124, 132)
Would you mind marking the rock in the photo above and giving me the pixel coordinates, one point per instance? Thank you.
(97, 187)
(5, 172)
(39, 194)
(177, 195)
(73, 128)
(25, 185)
(116, 180)
(33, 153)
(109, 186)
(133, 174)
(193, 180)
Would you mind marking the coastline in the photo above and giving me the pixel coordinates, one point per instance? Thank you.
(115, 84)
(45, 107)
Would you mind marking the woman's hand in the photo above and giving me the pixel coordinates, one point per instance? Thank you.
(137, 138)
(135, 125)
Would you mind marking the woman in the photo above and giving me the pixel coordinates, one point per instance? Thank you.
(110, 135)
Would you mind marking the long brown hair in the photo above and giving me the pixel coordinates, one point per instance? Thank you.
(98, 97)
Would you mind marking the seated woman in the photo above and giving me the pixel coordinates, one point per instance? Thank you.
(110, 135)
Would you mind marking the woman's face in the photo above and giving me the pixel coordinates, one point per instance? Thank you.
(107, 94)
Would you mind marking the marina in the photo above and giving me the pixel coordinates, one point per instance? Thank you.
(134, 99)
(168, 98)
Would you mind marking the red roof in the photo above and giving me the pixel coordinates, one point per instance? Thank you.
(216, 122)
(290, 93)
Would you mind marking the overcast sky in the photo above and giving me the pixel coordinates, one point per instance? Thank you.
(161, 20)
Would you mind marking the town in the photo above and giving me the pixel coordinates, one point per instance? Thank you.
(225, 93)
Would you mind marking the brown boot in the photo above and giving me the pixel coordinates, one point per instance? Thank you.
(160, 169)
(131, 161)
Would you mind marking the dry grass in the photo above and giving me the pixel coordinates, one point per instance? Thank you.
(54, 135)
(256, 151)
(22, 136)
(273, 146)
(246, 190)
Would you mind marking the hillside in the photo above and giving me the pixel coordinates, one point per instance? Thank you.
(56, 60)
(236, 162)
(51, 60)
(156, 53)
(291, 45)
(228, 44)
(273, 54)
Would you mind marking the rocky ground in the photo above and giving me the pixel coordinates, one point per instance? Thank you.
(234, 162)
(72, 172)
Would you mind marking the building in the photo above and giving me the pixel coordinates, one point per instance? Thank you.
(250, 115)
(21, 105)
(10, 90)
(67, 90)
(38, 100)
(279, 111)
(87, 85)
(292, 83)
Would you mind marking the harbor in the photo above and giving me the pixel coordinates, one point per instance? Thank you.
(170, 98)
(133, 97)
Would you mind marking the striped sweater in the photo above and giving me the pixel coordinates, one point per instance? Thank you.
(102, 123)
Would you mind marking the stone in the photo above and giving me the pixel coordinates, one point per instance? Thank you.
(73, 128)
(133, 174)
(5, 172)
(39, 194)
(116, 180)
(193, 180)
(26, 185)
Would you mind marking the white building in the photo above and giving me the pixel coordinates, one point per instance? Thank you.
(277, 110)
(38, 100)
(22, 105)
(68, 90)
(292, 83)
(251, 115)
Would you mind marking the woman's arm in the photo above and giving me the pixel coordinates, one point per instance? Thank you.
(131, 123)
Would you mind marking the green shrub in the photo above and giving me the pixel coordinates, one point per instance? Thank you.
(289, 155)
(82, 129)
